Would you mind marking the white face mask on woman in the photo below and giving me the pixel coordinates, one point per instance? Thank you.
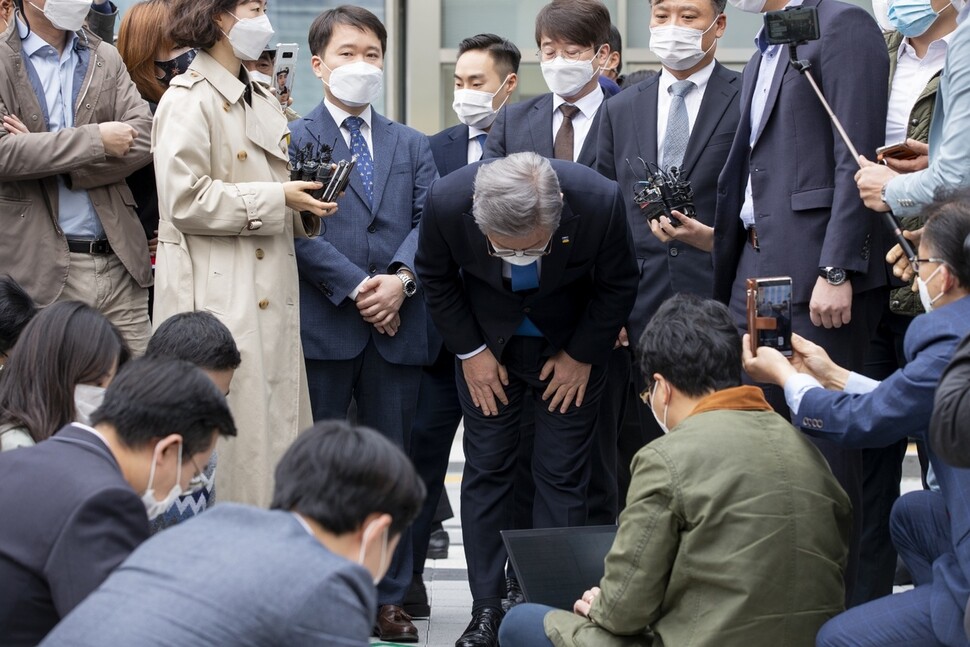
(356, 84)
(249, 36)
(87, 398)
(679, 48)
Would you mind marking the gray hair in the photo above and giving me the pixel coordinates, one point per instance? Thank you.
(517, 195)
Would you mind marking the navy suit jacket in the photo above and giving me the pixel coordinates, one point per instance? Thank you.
(450, 149)
(361, 241)
(628, 130)
(901, 406)
(807, 207)
(587, 283)
(69, 519)
(526, 126)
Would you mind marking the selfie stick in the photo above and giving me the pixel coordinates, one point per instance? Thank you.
(803, 67)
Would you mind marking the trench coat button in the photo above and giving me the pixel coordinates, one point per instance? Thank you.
(372, 268)
(674, 251)
(241, 156)
(371, 229)
(260, 253)
(225, 106)
(264, 304)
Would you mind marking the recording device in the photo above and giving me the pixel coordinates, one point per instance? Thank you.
(769, 313)
(284, 69)
(796, 25)
(662, 192)
(315, 164)
(898, 151)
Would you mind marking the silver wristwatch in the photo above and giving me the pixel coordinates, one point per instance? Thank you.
(410, 286)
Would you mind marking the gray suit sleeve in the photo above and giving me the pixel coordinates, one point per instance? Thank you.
(340, 612)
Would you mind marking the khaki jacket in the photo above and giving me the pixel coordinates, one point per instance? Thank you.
(735, 534)
(219, 164)
(33, 249)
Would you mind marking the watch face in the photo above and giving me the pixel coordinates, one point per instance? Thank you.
(836, 276)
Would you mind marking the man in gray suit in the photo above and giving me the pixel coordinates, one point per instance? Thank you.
(302, 573)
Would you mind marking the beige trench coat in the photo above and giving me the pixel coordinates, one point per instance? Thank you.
(225, 245)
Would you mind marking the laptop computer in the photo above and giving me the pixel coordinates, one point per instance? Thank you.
(556, 565)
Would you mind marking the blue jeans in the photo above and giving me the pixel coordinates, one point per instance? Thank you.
(522, 627)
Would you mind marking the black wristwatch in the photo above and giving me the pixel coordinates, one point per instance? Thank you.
(410, 286)
(833, 275)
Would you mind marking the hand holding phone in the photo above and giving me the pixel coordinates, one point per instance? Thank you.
(900, 151)
(770, 314)
(284, 70)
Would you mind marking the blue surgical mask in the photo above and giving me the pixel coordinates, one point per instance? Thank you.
(912, 18)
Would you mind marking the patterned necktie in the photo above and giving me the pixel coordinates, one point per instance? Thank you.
(562, 147)
(365, 164)
(481, 143)
(678, 125)
(525, 277)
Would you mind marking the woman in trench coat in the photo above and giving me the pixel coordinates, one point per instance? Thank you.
(228, 217)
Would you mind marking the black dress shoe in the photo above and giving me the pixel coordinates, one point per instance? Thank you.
(394, 625)
(514, 594)
(438, 544)
(416, 601)
(482, 631)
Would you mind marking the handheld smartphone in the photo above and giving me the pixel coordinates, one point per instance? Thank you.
(284, 69)
(792, 25)
(769, 313)
(898, 151)
(339, 180)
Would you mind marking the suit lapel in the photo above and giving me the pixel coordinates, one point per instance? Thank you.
(384, 138)
(587, 154)
(324, 130)
(540, 126)
(773, 90)
(563, 240)
(717, 98)
(646, 128)
(456, 150)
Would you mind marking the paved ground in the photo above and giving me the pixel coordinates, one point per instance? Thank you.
(447, 579)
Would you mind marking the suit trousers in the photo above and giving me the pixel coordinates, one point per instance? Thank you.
(560, 463)
(602, 495)
(847, 346)
(386, 396)
(637, 429)
(435, 423)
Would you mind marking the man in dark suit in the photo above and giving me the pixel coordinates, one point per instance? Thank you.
(74, 506)
(787, 203)
(529, 273)
(930, 529)
(693, 133)
(364, 334)
(486, 75)
(573, 39)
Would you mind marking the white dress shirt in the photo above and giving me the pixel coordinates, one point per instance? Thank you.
(583, 120)
(692, 100)
(909, 81)
(474, 148)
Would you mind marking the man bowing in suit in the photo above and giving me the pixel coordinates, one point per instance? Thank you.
(685, 117)
(573, 38)
(364, 334)
(529, 273)
(787, 202)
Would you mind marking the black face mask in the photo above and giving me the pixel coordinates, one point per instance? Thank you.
(175, 66)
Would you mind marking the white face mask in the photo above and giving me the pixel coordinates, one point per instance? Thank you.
(67, 15)
(356, 84)
(87, 398)
(924, 291)
(653, 410)
(259, 77)
(750, 6)
(474, 107)
(679, 48)
(153, 506)
(249, 36)
(565, 78)
(363, 551)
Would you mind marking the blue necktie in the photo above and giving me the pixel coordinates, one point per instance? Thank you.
(481, 142)
(526, 277)
(365, 164)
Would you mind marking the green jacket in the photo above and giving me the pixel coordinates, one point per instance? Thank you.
(903, 300)
(735, 534)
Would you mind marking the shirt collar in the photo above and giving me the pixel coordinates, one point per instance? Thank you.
(475, 132)
(588, 105)
(92, 430)
(339, 114)
(32, 43)
(699, 78)
(937, 47)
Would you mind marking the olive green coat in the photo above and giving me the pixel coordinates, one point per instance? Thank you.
(735, 534)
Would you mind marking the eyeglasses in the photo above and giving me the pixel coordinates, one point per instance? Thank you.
(200, 481)
(509, 253)
(570, 54)
(916, 261)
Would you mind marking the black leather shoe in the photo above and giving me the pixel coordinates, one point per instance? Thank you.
(416, 601)
(482, 631)
(438, 544)
(514, 594)
(394, 625)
